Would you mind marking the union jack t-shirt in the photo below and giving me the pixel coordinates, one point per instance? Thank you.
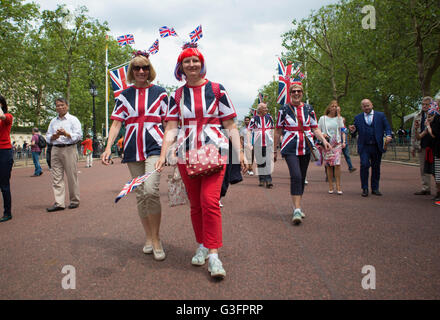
(142, 110)
(293, 139)
(201, 113)
(262, 128)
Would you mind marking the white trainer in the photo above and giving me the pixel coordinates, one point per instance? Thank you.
(297, 218)
(200, 257)
(216, 268)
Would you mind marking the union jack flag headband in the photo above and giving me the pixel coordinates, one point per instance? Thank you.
(140, 53)
(190, 45)
(189, 50)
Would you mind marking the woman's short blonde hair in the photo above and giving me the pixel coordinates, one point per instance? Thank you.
(331, 104)
(140, 61)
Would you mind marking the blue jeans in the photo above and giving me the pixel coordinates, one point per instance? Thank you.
(36, 159)
(346, 153)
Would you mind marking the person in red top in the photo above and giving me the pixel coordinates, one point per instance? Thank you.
(88, 151)
(6, 159)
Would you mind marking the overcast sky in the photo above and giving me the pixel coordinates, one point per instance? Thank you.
(241, 38)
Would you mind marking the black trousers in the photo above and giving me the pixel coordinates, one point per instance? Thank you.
(6, 163)
(298, 166)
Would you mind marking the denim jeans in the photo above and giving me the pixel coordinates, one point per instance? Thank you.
(346, 153)
(36, 159)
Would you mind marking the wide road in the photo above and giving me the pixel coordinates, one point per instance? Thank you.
(395, 238)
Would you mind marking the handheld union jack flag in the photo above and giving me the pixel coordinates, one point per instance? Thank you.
(285, 73)
(133, 184)
(165, 32)
(125, 39)
(119, 80)
(154, 48)
(196, 34)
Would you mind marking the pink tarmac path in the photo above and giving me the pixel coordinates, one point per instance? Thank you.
(265, 256)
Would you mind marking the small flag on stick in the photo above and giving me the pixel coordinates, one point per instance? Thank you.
(133, 184)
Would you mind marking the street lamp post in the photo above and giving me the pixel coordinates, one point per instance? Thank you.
(94, 93)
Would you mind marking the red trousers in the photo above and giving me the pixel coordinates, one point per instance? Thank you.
(204, 196)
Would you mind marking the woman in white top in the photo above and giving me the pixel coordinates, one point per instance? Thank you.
(331, 124)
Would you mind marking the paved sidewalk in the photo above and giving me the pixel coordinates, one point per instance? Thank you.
(265, 256)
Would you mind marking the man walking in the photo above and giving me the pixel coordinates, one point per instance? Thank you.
(262, 126)
(371, 126)
(36, 151)
(418, 146)
(64, 133)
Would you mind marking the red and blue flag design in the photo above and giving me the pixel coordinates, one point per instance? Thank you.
(285, 74)
(196, 34)
(165, 32)
(133, 184)
(154, 48)
(119, 80)
(125, 39)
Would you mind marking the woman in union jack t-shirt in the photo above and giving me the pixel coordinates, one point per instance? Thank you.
(206, 110)
(298, 120)
(142, 109)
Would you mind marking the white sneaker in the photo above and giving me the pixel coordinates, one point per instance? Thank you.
(297, 218)
(216, 268)
(220, 204)
(148, 248)
(306, 182)
(251, 173)
(200, 257)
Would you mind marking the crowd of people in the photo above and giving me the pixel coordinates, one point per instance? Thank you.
(196, 126)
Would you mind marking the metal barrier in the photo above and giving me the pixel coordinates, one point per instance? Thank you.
(396, 151)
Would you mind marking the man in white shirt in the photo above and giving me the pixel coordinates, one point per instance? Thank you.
(64, 133)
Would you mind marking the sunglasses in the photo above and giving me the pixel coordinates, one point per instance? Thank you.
(144, 68)
(295, 91)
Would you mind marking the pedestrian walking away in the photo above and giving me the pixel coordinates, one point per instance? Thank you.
(298, 120)
(202, 107)
(6, 159)
(36, 151)
(64, 132)
(142, 108)
(371, 126)
(88, 150)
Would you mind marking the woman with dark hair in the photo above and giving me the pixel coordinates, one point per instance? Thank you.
(203, 109)
(142, 108)
(6, 158)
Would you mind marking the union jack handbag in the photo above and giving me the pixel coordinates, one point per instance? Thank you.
(205, 160)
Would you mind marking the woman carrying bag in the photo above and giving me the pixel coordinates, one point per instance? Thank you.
(203, 108)
(330, 125)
